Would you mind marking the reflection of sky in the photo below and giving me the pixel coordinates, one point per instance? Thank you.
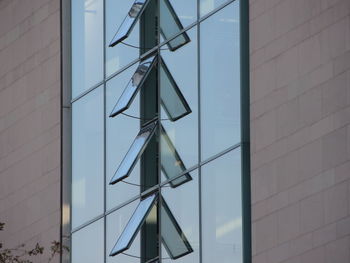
(228, 227)
(87, 44)
(87, 156)
(220, 81)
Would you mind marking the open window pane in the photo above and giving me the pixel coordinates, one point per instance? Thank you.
(134, 153)
(174, 103)
(170, 25)
(172, 164)
(174, 240)
(134, 84)
(129, 21)
(133, 225)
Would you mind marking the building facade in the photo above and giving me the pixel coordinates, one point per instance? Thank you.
(172, 130)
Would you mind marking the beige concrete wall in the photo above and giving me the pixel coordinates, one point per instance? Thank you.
(30, 121)
(300, 130)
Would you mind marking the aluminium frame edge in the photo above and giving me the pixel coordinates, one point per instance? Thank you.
(65, 128)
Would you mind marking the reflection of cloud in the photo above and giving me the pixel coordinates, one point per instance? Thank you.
(79, 192)
(228, 227)
(186, 17)
(229, 20)
(89, 3)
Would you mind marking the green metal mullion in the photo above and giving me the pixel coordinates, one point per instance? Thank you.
(149, 110)
(245, 130)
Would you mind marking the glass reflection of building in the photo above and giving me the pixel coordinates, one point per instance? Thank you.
(156, 131)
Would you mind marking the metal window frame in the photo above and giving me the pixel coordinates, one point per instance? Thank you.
(141, 221)
(179, 25)
(129, 100)
(151, 128)
(179, 231)
(172, 148)
(66, 102)
(178, 92)
(135, 19)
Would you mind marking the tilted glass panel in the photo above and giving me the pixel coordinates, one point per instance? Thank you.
(183, 202)
(129, 22)
(170, 25)
(120, 55)
(120, 133)
(133, 225)
(115, 224)
(173, 102)
(174, 240)
(133, 86)
(134, 153)
(183, 132)
(172, 164)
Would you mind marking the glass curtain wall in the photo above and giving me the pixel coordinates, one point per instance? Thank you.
(156, 131)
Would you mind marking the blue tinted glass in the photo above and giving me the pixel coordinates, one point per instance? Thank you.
(220, 81)
(120, 133)
(173, 101)
(87, 44)
(133, 225)
(183, 239)
(134, 84)
(174, 239)
(172, 164)
(119, 55)
(207, 6)
(129, 22)
(170, 25)
(87, 157)
(87, 244)
(134, 153)
(222, 209)
(182, 133)
(116, 223)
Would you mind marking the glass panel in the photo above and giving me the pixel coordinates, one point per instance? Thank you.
(119, 55)
(134, 153)
(129, 22)
(173, 102)
(207, 6)
(87, 44)
(134, 84)
(222, 209)
(120, 134)
(170, 25)
(174, 239)
(180, 221)
(87, 157)
(220, 81)
(116, 223)
(186, 11)
(172, 164)
(133, 225)
(182, 133)
(87, 244)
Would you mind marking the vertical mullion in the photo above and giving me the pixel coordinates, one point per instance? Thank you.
(199, 134)
(245, 129)
(104, 137)
(160, 198)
